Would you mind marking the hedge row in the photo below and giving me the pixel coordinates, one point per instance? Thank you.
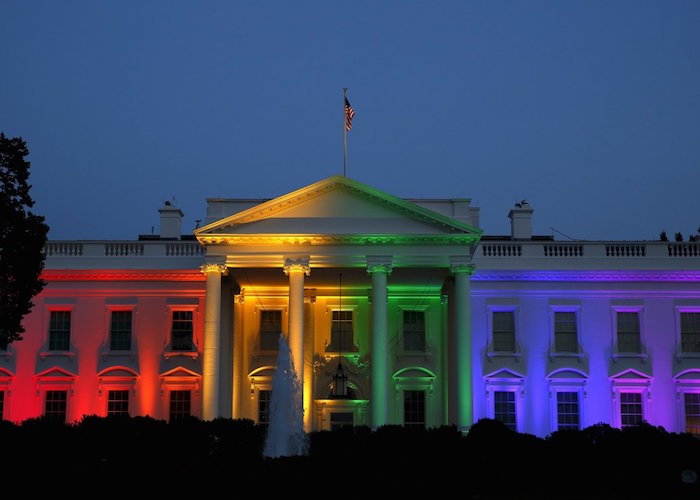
(489, 462)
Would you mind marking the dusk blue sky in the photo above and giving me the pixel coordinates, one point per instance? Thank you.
(590, 110)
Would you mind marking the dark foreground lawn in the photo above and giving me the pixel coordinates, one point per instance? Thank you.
(193, 459)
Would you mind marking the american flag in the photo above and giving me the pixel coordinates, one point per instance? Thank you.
(349, 113)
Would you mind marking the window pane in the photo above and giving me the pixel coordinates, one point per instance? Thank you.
(630, 409)
(628, 338)
(55, 406)
(567, 410)
(340, 420)
(690, 332)
(342, 332)
(182, 331)
(264, 399)
(565, 336)
(270, 330)
(692, 413)
(414, 409)
(180, 405)
(120, 331)
(59, 331)
(504, 408)
(503, 331)
(118, 403)
(414, 331)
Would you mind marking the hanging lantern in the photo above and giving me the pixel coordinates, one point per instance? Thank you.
(340, 382)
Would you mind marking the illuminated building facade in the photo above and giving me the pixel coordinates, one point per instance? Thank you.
(435, 323)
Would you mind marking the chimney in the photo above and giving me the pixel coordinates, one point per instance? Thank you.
(521, 221)
(170, 222)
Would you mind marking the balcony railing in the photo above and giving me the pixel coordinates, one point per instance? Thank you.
(123, 249)
(607, 250)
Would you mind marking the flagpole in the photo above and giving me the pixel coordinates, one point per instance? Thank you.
(345, 134)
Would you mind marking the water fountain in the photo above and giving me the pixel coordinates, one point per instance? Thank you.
(285, 432)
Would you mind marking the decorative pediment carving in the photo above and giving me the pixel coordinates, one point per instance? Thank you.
(120, 372)
(568, 374)
(179, 372)
(55, 372)
(630, 375)
(338, 207)
(504, 374)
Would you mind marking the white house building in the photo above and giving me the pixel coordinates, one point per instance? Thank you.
(433, 322)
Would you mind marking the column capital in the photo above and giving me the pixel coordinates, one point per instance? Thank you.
(462, 268)
(379, 264)
(213, 267)
(461, 264)
(299, 264)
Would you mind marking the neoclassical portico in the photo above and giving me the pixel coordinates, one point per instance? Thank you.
(284, 256)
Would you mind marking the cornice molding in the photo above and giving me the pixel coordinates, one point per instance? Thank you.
(584, 275)
(336, 239)
(122, 275)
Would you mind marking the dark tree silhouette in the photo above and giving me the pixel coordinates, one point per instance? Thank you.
(22, 240)
(663, 236)
(679, 236)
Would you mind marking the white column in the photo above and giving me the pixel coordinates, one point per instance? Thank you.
(379, 268)
(212, 341)
(296, 269)
(310, 309)
(462, 314)
(238, 378)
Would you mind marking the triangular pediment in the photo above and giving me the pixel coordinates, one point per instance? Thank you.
(630, 374)
(504, 374)
(55, 372)
(179, 372)
(341, 207)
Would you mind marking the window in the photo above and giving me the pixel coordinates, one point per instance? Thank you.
(692, 413)
(505, 395)
(342, 332)
(690, 332)
(414, 409)
(340, 420)
(567, 410)
(270, 330)
(413, 331)
(504, 408)
(55, 406)
(59, 331)
(180, 405)
(118, 403)
(120, 331)
(628, 336)
(565, 331)
(264, 400)
(567, 398)
(182, 331)
(503, 331)
(630, 409)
